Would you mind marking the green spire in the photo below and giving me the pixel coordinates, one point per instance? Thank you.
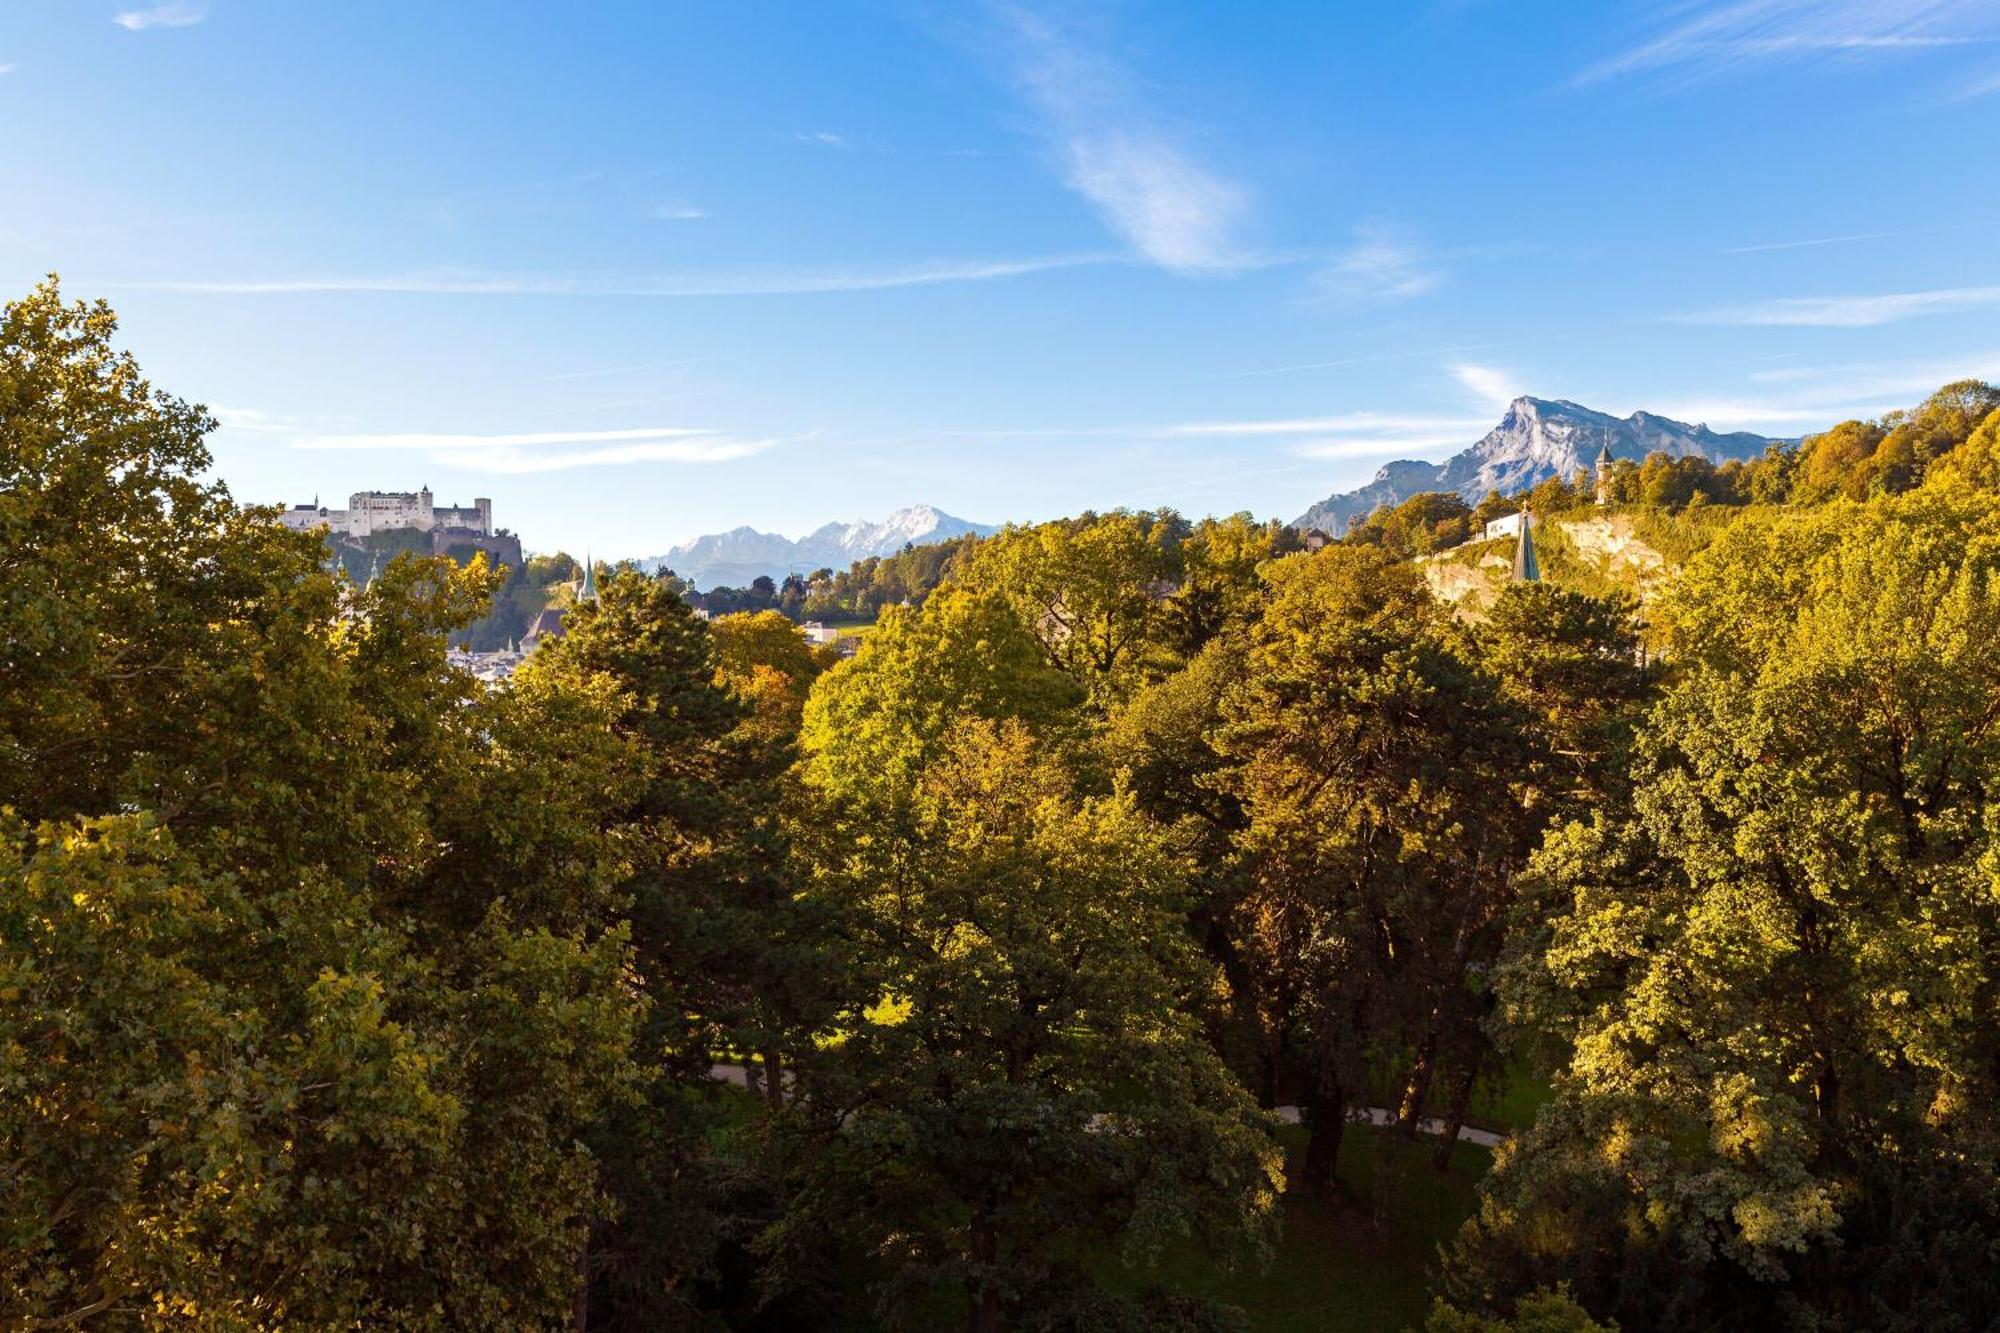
(1527, 569)
(589, 590)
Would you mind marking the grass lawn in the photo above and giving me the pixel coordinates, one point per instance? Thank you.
(1332, 1273)
(1510, 1101)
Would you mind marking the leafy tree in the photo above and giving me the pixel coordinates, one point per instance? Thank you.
(1091, 591)
(1773, 965)
(873, 723)
(283, 1044)
(1219, 588)
(1431, 521)
(1375, 764)
(1494, 505)
(731, 960)
(1978, 460)
(1543, 1312)
(1018, 1078)
(1163, 745)
(1555, 494)
(104, 522)
(768, 664)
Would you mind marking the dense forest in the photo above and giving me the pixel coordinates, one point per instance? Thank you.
(695, 981)
(855, 595)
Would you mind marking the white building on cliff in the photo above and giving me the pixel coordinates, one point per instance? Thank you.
(369, 512)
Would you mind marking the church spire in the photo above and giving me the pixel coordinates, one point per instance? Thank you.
(588, 593)
(1527, 569)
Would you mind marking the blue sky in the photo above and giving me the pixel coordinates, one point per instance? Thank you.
(641, 271)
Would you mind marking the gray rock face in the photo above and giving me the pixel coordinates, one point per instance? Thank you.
(736, 557)
(1537, 439)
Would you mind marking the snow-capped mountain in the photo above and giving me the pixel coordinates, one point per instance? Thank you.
(736, 557)
(1536, 440)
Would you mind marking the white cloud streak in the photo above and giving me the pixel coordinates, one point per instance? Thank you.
(1387, 446)
(1374, 423)
(1350, 434)
(1805, 399)
(1985, 86)
(445, 443)
(679, 213)
(1848, 312)
(1379, 268)
(252, 419)
(600, 372)
(1812, 242)
(1147, 188)
(552, 451)
(754, 282)
(1492, 387)
(668, 451)
(161, 16)
(1701, 39)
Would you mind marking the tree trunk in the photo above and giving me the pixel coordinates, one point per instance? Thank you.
(1395, 1143)
(1325, 1115)
(987, 1313)
(579, 1311)
(774, 1075)
(1417, 1083)
(1328, 1122)
(1454, 1120)
(1392, 1149)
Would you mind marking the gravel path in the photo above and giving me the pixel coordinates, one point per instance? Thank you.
(1372, 1115)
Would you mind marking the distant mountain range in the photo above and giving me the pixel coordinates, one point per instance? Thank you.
(1536, 440)
(733, 559)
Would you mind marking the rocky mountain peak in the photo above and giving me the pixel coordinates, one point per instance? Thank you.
(1537, 438)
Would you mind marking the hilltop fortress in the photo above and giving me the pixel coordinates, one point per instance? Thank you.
(370, 512)
(452, 529)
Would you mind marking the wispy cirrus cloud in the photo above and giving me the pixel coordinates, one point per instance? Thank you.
(1812, 242)
(1983, 86)
(160, 16)
(743, 282)
(253, 419)
(689, 451)
(1349, 434)
(1703, 38)
(632, 368)
(1490, 386)
(678, 213)
(1147, 187)
(554, 451)
(1848, 312)
(1795, 400)
(1380, 267)
(1343, 423)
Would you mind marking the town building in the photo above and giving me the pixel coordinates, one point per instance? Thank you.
(1507, 525)
(548, 625)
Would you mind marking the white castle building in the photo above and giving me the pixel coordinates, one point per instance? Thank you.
(370, 512)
